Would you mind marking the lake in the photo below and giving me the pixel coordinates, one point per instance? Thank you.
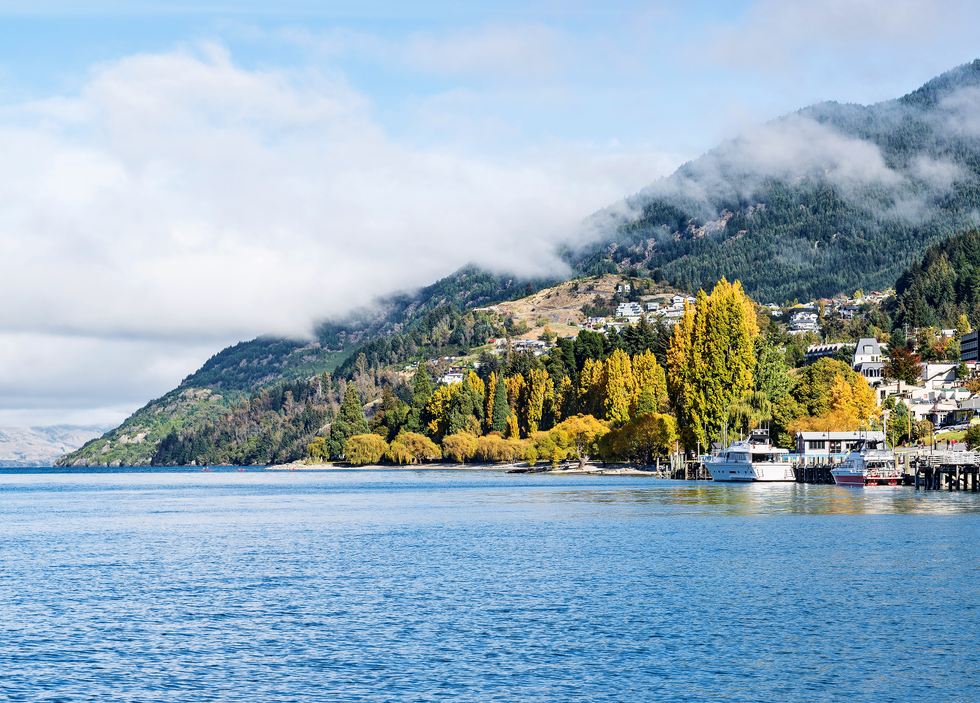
(481, 586)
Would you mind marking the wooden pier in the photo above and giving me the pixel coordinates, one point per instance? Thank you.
(953, 471)
(814, 473)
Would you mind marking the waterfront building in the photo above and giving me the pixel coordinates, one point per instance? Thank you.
(821, 447)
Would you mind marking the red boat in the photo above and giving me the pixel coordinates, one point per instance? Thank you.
(870, 463)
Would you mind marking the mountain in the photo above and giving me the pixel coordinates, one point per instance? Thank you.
(273, 377)
(41, 446)
(829, 199)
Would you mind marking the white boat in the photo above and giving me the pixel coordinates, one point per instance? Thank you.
(752, 459)
(870, 463)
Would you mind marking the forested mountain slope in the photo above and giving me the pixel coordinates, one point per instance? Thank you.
(829, 199)
(945, 284)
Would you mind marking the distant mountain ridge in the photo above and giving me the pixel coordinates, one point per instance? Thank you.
(41, 446)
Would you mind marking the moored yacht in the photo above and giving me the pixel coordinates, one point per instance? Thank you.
(752, 459)
(870, 463)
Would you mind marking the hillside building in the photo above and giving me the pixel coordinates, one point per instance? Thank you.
(968, 346)
(868, 360)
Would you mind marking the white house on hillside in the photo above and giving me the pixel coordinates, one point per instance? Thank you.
(868, 360)
(629, 310)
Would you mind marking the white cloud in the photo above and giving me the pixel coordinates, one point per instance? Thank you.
(780, 34)
(180, 197)
(509, 51)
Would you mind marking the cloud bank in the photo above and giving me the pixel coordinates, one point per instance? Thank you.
(179, 199)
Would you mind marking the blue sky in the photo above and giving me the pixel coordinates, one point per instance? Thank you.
(178, 177)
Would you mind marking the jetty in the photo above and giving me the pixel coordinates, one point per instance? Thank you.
(953, 471)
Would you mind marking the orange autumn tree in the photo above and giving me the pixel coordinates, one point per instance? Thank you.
(851, 406)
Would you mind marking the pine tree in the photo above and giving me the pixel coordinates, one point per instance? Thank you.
(501, 411)
(421, 392)
(350, 421)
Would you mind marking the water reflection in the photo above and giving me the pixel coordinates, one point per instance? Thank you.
(759, 499)
(463, 489)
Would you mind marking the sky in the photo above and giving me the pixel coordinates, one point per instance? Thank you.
(177, 177)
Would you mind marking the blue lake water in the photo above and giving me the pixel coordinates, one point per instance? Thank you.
(471, 586)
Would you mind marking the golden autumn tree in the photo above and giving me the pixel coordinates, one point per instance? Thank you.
(530, 401)
(711, 361)
(677, 356)
(489, 397)
(650, 381)
(583, 432)
(618, 387)
(438, 409)
(851, 405)
(589, 391)
(365, 449)
(412, 448)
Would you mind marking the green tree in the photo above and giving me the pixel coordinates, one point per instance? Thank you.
(501, 410)
(390, 417)
(421, 392)
(350, 421)
(771, 374)
(720, 360)
(973, 438)
(899, 425)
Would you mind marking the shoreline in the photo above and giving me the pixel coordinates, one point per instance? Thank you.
(588, 470)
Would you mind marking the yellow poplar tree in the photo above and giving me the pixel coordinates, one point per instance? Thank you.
(514, 386)
(618, 387)
(438, 409)
(648, 377)
(488, 401)
(677, 355)
(530, 406)
(590, 388)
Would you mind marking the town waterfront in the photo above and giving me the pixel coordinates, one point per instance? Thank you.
(476, 586)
